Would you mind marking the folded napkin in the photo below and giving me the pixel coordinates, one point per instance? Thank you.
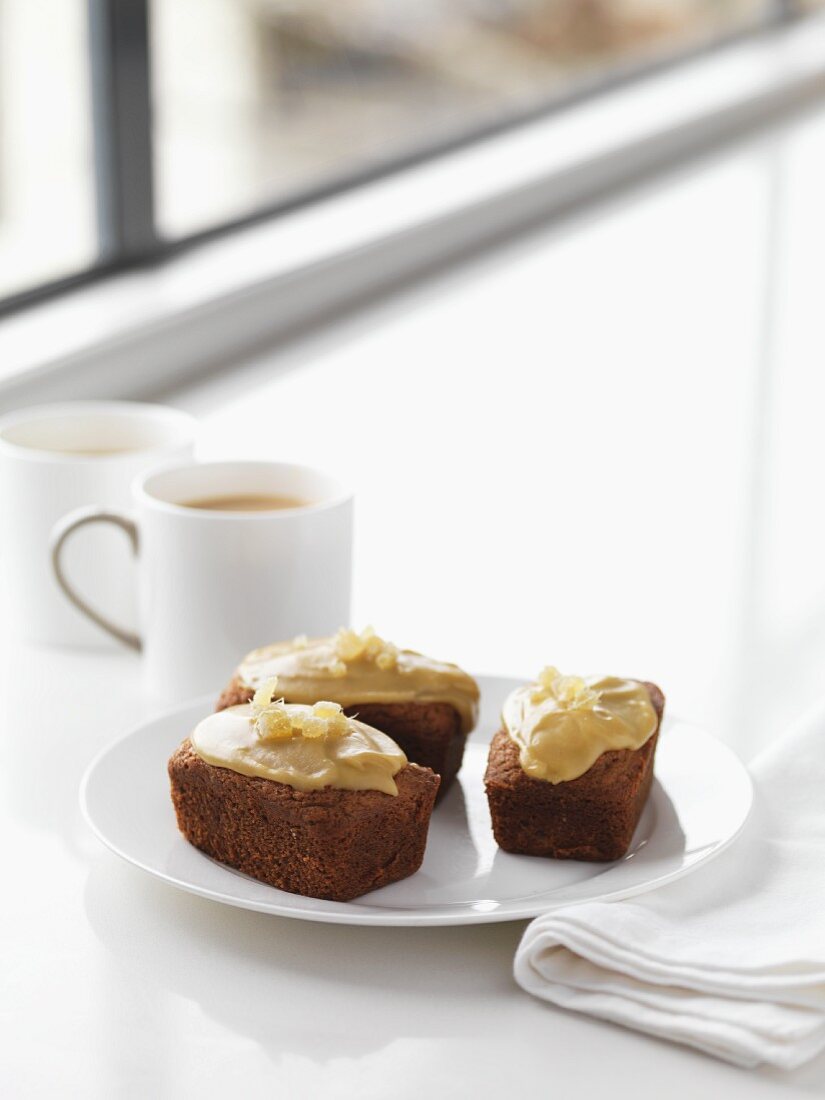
(730, 959)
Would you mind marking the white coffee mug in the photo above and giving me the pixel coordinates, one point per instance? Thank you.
(57, 457)
(214, 584)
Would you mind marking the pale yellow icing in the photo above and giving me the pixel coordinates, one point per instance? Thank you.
(563, 724)
(306, 747)
(354, 669)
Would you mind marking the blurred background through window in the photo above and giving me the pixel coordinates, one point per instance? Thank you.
(265, 97)
(47, 185)
(257, 102)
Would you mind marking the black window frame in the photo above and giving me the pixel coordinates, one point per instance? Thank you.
(121, 110)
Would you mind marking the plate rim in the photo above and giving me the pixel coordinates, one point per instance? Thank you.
(388, 918)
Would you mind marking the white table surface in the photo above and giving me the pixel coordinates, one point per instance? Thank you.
(598, 448)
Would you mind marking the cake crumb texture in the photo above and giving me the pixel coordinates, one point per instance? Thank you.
(329, 843)
(589, 818)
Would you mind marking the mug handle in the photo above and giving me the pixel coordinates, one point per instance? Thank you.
(66, 527)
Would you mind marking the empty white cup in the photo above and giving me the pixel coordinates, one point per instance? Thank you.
(54, 458)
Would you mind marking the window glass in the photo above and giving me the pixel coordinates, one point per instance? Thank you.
(47, 211)
(257, 100)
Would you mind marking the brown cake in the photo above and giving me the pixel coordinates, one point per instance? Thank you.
(324, 844)
(591, 817)
(430, 720)
(327, 842)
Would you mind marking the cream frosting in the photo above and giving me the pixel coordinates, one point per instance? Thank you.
(354, 669)
(563, 724)
(306, 747)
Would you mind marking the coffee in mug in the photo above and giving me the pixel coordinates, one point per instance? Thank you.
(215, 582)
(248, 502)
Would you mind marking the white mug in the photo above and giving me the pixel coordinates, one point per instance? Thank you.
(57, 457)
(214, 584)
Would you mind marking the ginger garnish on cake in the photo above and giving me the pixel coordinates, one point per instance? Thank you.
(427, 706)
(302, 797)
(570, 770)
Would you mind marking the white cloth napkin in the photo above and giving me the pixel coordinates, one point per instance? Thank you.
(731, 959)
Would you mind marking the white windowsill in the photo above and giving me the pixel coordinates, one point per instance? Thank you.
(141, 332)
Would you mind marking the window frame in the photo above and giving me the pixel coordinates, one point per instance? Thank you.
(145, 333)
(121, 108)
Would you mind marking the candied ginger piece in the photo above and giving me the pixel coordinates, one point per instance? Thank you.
(337, 726)
(568, 688)
(568, 691)
(548, 677)
(387, 658)
(348, 645)
(572, 691)
(270, 718)
(351, 646)
(273, 724)
(275, 721)
(265, 693)
(313, 727)
(325, 709)
(327, 719)
(331, 715)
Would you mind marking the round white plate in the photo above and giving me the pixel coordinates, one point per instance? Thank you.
(699, 803)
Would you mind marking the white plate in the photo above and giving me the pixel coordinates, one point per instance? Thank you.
(699, 803)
